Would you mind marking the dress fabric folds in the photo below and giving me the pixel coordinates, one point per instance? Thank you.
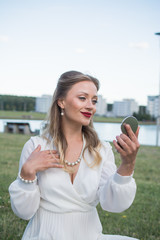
(75, 226)
(59, 210)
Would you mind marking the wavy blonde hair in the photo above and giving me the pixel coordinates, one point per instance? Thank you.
(54, 123)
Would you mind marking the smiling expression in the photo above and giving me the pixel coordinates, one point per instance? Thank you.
(80, 103)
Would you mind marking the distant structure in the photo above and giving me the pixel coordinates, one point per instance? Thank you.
(43, 103)
(101, 106)
(124, 108)
(17, 127)
(153, 105)
(119, 108)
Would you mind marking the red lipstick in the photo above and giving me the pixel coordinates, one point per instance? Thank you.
(87, 114)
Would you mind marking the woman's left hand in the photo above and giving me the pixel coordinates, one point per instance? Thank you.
(127, 146)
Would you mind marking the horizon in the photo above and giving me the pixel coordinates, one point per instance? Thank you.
(120, 100)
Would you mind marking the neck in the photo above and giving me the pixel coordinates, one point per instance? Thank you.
(72, 132)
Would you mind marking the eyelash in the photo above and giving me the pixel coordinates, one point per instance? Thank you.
(83, 98)
(94, 101)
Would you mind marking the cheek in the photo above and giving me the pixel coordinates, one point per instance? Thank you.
(94, 110)
(73, 106)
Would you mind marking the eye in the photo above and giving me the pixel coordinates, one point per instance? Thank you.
(82, 98)
(94, 101)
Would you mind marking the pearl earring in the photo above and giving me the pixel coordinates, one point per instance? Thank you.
(62, 113)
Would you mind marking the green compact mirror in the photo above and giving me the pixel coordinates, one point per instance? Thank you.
(132, 121)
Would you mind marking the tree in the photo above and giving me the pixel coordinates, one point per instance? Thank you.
(17, 103)
(142, 114)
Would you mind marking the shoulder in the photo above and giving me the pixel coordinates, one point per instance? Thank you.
(106, 152)
(34, 141)
(105, 144)
(105, 147)
(39, 140)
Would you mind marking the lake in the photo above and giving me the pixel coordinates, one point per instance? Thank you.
(106, 131)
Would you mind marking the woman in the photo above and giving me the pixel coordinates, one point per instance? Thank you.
(67, 171)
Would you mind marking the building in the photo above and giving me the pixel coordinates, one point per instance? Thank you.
(153, 103)
(43, 103)
(101, 106)
(125, 108)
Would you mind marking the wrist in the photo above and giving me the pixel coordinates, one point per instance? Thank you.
(27, 173)
(27, 180)
(126, 169)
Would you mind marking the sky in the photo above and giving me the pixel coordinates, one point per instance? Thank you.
(112, 40)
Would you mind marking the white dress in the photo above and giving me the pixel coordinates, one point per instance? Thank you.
(60, 210)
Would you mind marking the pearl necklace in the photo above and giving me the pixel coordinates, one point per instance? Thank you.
(72, 164)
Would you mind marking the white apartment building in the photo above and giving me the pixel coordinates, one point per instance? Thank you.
(153, 104)
(101, 106)
(43, 103)
(125, 108)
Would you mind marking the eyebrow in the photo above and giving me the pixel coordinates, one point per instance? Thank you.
(88, 94)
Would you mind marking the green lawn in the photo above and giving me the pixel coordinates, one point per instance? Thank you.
(21, 115)
(141, 220)
(42, 116)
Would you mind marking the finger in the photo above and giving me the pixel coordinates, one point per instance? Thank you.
(130, 133)
(38, 148)
(50, 151)
(54, 160)
(137, 132)
(56, 165)
(123, 141)
(49, 166)
(54, 156)
(53, 151)
(118, 147)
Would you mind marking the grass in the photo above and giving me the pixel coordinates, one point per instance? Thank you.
(42, 116)
(141, 220)
(22, 115)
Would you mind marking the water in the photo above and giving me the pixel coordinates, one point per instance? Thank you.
(106, 131)
(34, 124)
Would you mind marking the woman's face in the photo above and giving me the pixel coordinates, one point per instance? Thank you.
(80, 103)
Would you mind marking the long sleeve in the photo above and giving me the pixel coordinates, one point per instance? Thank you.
(25, 198)
(116, 192)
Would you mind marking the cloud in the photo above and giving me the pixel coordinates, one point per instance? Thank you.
(80, 50)
(3, 38)
(140, 45)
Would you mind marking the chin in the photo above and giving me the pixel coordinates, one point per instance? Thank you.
(83, 122)
(86, 123)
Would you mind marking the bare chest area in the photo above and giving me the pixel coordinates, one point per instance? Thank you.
(72, 154)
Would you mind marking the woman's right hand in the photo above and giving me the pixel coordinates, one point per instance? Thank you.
(39, 161)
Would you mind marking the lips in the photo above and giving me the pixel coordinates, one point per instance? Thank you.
(87, 114)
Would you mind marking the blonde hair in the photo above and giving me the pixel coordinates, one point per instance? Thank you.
(54, 128)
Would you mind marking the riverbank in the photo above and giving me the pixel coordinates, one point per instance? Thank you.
(141, 220)
(42, 116)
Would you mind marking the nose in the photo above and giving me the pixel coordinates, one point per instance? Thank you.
(90, 105)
